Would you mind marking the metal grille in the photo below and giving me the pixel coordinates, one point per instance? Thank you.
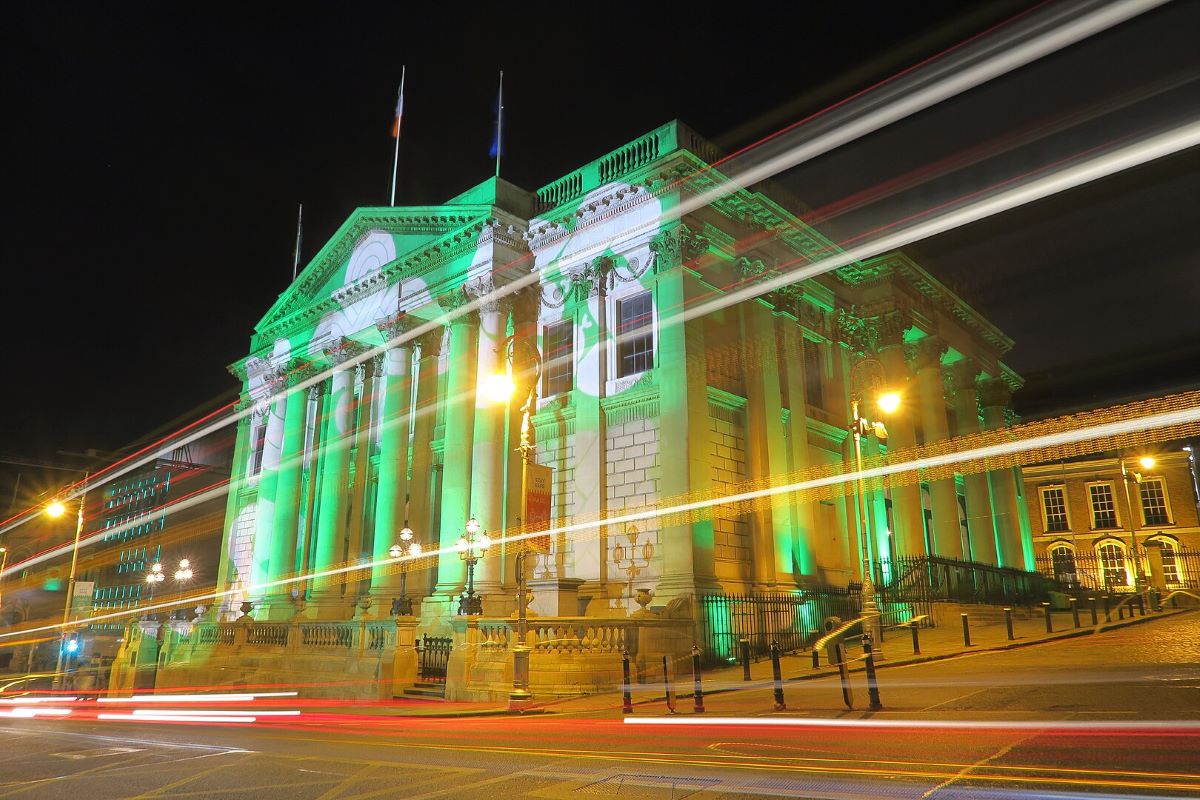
(792, 619)
(433, 654)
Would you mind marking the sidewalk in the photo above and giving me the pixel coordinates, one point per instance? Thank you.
(897, 650)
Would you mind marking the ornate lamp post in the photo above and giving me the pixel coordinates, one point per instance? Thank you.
(626, 556)
(408, 545)
(153, 578)
(1132, 476)
(472, 547)
(866, 382)
(3, 565)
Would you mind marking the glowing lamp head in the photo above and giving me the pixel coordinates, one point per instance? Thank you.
(394, 551)
(484, 542)
(184, 563)
(1147, 462)
(56, 509)
(414, 549)
(156, 567)
(150, 578)
(499, 388)
(462, 544)
(889, 402)
(406, 534)
(472, 526)
(72, 645)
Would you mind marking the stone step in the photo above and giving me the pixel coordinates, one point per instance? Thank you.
(435, 690)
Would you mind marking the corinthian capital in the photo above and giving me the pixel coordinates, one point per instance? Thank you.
(994, 392)
(892, 327)
(930, 351)
(966, 373)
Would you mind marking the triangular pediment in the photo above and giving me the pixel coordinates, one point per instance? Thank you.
(366, 243)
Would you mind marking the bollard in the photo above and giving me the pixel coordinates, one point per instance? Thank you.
(844, 675)
(626, 688)
(1142, 604)
(1107, 609)
(1155, 600)
(1075, 611)
(966, 630)
(1174, 600)
(1008, 623)
(1120, 611)
(1049, 621)
(1093, 602)
(872, 683)
(916, 636)
(697, 692)
(667, 685)
(816, 655)
(744, 643)
(777, 674)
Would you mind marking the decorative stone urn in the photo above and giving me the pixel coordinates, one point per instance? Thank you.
(246, 607)
(643, 598)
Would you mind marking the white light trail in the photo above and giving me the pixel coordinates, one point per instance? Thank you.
(1099, 431)
(28, 712)
(173, 718)
(21, 701)
(966, 68)
(195, 698)
(201, 712)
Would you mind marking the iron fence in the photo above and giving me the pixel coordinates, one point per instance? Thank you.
(1075, 572)
(922, 580)
(433, 654)
(793, 619)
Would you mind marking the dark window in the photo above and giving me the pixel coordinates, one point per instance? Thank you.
(1154, 503)
(635, 335)
(260, 442)
(1055, 506)
(557, 369)
(813, 369)
(1063, 559)
(1104, 510)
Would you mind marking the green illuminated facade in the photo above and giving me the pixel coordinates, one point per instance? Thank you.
(639, 402)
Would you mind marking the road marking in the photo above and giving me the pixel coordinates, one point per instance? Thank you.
(956, 699)
(97, 753)
(1099, 726)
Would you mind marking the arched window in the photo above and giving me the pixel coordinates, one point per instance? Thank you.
(1062, 558)
(1112, 564)
(1170, 560)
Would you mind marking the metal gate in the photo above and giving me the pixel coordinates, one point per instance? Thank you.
(433, 654)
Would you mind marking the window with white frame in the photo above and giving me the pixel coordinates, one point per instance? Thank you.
(1154, 502)
(1054, 508)
(1112, 564)
(635, 334)
(1104, 509)
(558, 361)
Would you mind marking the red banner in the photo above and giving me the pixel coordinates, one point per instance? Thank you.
(535, 512)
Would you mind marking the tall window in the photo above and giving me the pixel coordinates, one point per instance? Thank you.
(635, 335)
(813, 369)
(1063, 559)
(1104, 510)
(1112, 564)
(1170, 562)
(1154, 502)
(260, 443)
(558, 366)
(1054, 506)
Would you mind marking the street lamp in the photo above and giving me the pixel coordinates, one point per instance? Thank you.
(500, 388)
(56, 509)
(402, 605)
(1128, 476)
(472, 547)
(3, 565)
(866, 379)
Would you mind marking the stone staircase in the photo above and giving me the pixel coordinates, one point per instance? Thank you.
(427, 690)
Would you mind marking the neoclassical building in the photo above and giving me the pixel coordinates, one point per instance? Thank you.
(665, 379)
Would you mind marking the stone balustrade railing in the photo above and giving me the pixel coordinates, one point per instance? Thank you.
(362, 635)
(574, 634)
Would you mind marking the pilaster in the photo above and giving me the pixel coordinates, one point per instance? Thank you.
(947, 530)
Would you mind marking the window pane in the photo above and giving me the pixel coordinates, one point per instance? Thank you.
(1112, 562)
(813, 389)
(1064, 565)
(558, 366)
(1055, 506)
(1104, 511)
(1154, 502)
(635, 337)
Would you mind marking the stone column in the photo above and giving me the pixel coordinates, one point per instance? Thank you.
(687, 547)
(980, 526)
(908, 518)
(287, 490)
(331, 518)
(460, 429)
(804, 529)
(994, 396)
(766, 452)
(420, 488)
(391, 507)
(268, 481)
(931, 396)
(233, 507)
(487, 451)
(369, 375)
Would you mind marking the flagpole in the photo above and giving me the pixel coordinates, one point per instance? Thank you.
(396, 153)
(499, 123)
(299, 234)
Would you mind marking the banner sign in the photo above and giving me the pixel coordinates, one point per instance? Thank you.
(535, 506)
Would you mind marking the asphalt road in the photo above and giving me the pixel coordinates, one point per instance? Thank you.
(1035, 722)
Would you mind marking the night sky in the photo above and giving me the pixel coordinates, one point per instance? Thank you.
(156, 156)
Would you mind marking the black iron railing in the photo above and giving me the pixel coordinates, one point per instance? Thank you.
(794, 619)
(433, 654)
(921, 580)
(1087, 571)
